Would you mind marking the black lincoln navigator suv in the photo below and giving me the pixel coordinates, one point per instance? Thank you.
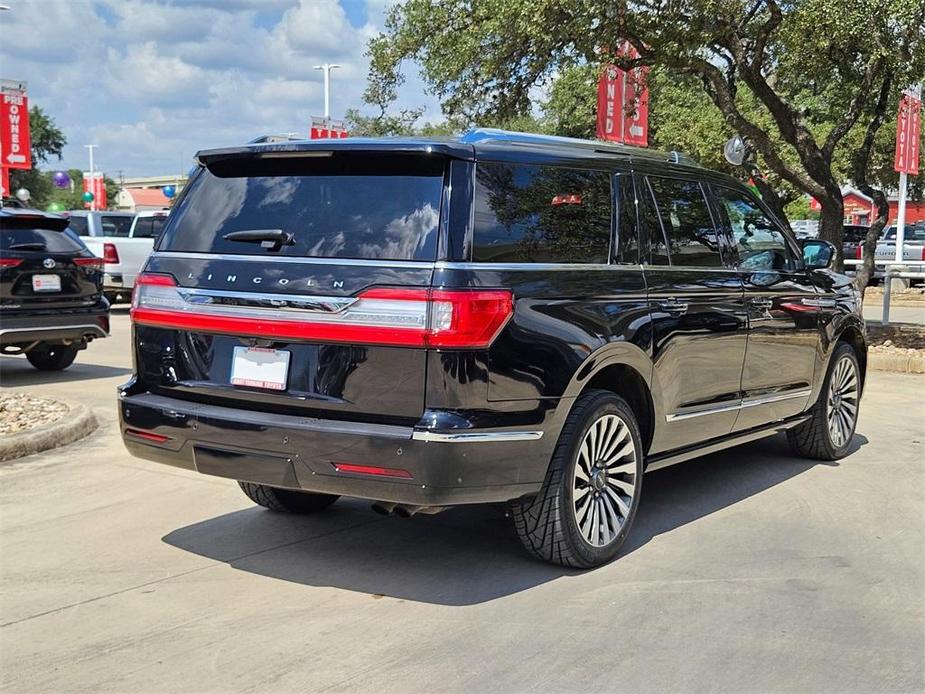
(498, 317)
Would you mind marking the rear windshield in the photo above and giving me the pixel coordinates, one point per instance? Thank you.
(40, 240)
(79, 225)
(149, 227)
(115, 225)
(340, 206)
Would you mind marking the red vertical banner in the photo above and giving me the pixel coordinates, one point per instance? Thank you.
(908, 135)
(15, 143)
(97, 186)
(610, 92)
(623, 102)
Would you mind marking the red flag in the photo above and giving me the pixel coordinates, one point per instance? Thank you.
(908, 135)
(623, 102)
(15, 145)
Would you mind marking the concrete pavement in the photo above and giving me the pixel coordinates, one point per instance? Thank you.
(748, 570)
(898, 314)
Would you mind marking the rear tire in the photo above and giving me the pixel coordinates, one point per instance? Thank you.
(51, 357)
(828, 433)
(587, 504)
(286, 500)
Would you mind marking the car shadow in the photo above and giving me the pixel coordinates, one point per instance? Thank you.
(470, 554)
(16, 372)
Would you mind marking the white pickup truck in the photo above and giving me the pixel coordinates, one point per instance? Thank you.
(913, 243)
(123, 240)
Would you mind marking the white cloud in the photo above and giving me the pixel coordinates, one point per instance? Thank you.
(152, 82)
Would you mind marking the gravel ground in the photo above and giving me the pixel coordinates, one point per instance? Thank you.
(21, 412)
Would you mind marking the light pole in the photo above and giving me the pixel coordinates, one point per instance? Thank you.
(92, 186)
(326, 68)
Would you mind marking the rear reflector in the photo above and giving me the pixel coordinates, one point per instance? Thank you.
(429, 318)
(96, 263)
(10, 262)
(110, 254)
(147, 435)
(372, 470)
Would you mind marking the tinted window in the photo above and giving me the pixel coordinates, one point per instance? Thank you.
(148, 227)
(114, 225)
(343, 207)
(855, 234)
(40, 240)
(916, 234)
(689, 238)
(627, 234)
(79, 225)
(760, 243)
(531, 214)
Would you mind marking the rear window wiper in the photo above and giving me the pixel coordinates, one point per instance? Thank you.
(271, 239)
(29, 246)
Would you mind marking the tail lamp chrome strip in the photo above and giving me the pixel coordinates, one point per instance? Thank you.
(467, 437)
(740, 405)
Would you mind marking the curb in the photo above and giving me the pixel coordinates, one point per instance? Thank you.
(901, 363)
(77, 423)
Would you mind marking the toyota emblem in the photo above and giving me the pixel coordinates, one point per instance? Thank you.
(49, 263)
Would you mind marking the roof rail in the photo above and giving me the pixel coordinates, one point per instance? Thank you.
(477, 135)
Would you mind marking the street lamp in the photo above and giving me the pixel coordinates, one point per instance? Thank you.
(326, 68)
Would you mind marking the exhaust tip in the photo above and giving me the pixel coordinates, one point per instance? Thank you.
(383, 508)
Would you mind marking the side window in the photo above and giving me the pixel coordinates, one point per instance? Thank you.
(760, 243)
(536, 214)
(692, 240)
(79, 225)
(627, 250)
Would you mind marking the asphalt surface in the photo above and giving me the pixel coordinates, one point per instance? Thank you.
(747, 571)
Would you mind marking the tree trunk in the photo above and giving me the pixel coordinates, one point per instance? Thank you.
(865, 271)
(831, 225)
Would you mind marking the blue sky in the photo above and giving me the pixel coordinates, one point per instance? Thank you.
(153, 81)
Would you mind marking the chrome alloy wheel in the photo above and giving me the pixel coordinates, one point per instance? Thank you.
(842, 402)
(605, 480)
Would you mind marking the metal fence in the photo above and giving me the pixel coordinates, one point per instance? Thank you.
(904, 269)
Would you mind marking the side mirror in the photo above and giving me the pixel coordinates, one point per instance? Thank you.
(817, 254)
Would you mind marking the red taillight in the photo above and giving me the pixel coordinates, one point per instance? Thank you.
(110, 254)
(372, 470)
(923, 253)
(95, 263)
(10, 262)
(430, 318)
(859, 252)
(147, 435)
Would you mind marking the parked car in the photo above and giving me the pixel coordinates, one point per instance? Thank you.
(111, 236)
(495, 318)
(51, 289)
(913, 243)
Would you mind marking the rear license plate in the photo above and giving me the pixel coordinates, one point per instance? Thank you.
(46, 283)
(260, 367)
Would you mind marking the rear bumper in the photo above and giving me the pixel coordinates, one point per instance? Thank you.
(440, 468)
(52, 327)
(118, 281)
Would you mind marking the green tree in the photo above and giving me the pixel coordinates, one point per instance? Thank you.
(47, 141)
(794, 79)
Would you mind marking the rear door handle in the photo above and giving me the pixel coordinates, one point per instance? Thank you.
(673, 307)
